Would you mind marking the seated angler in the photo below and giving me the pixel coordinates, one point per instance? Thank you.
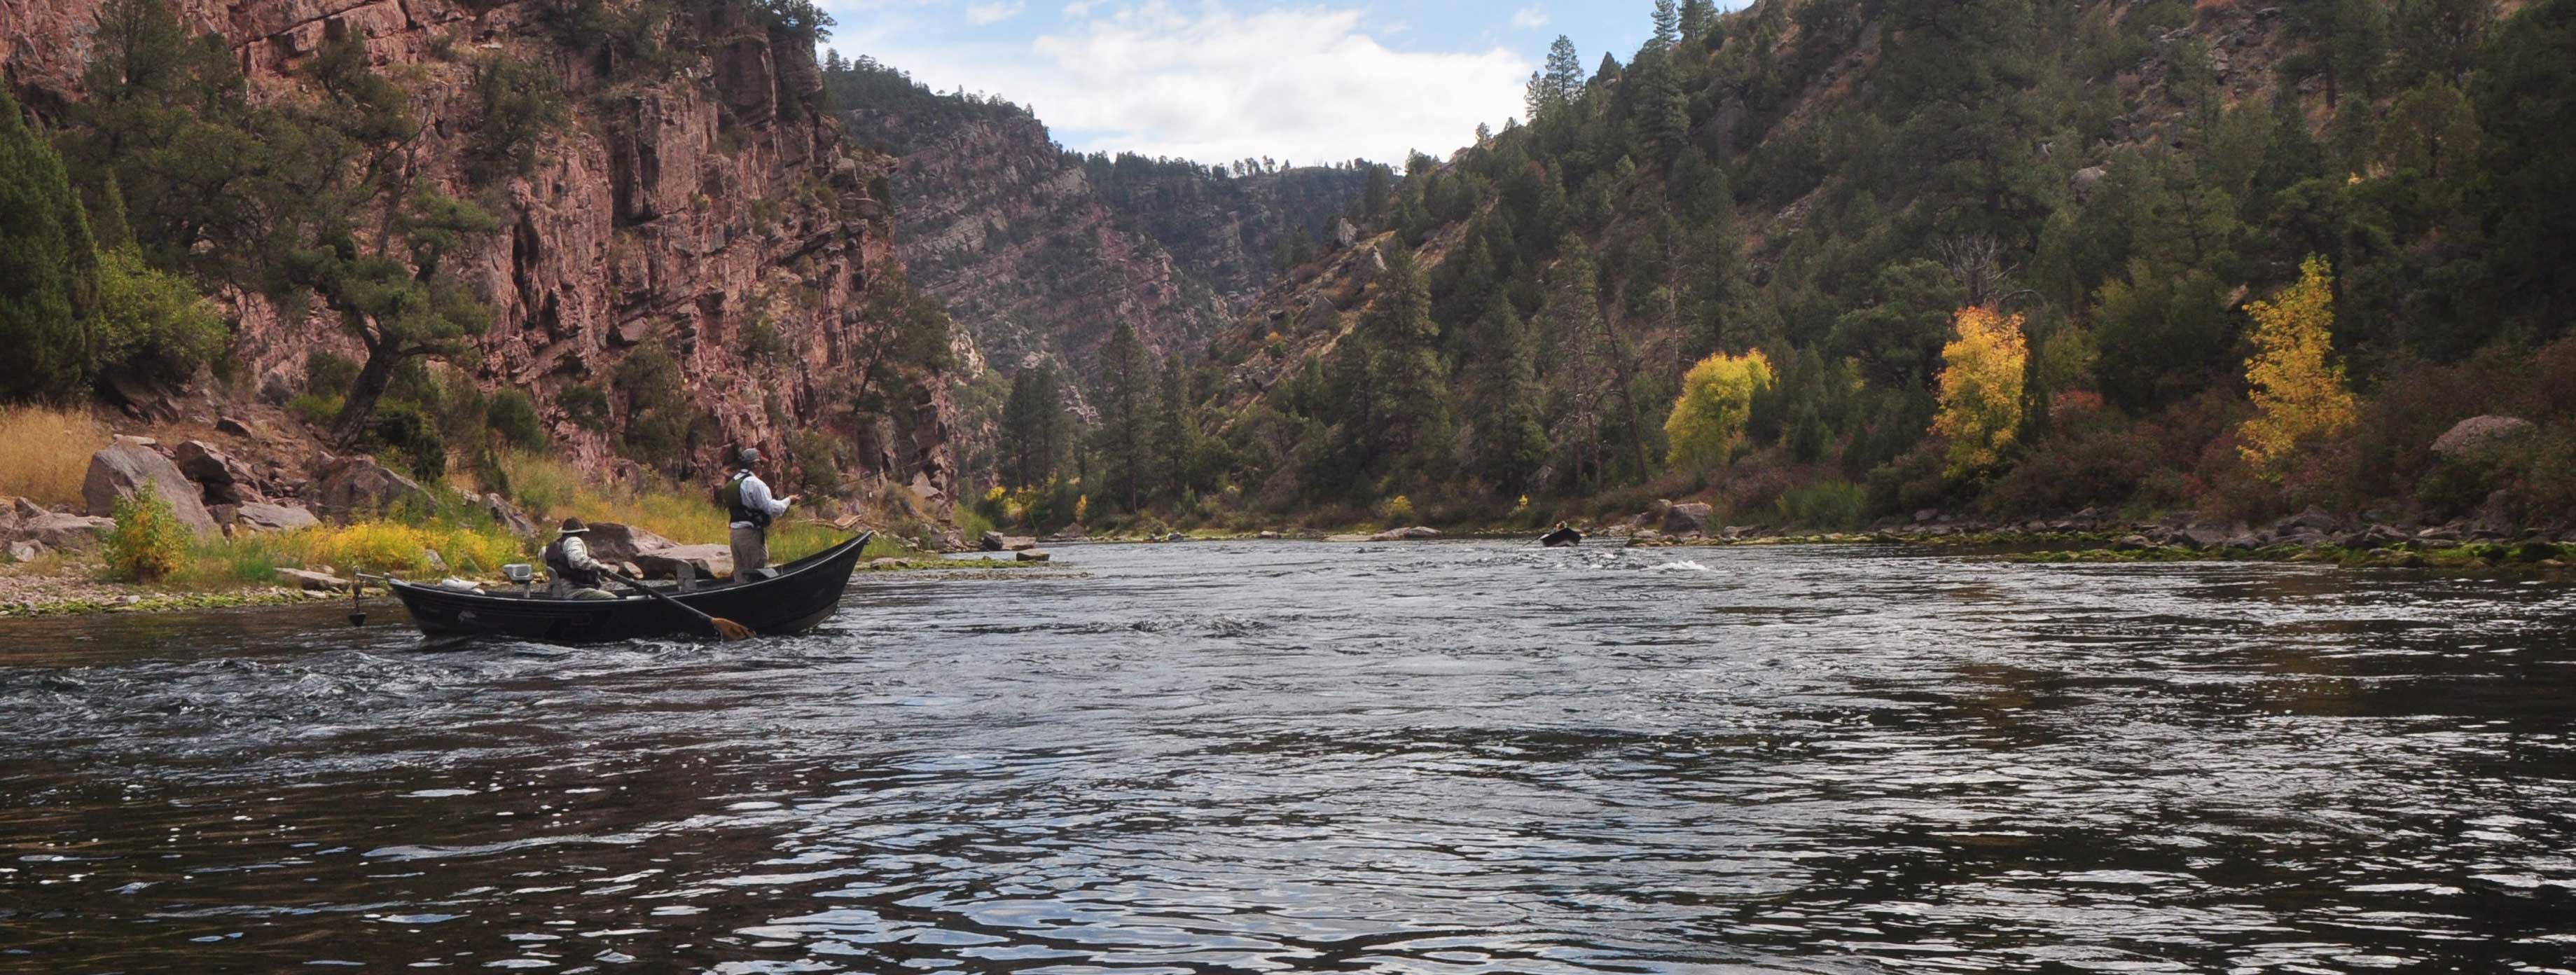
(569, 559)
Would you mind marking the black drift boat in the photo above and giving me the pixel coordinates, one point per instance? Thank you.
(1561, 538)
(791, 599)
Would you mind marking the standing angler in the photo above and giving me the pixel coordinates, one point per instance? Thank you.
(747, 502)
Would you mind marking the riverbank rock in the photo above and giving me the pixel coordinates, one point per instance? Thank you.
(1416, 533)
(350, 486)
(2478, 434)
(508, 516)
(313, 581)
(25, 551)
(1017, 543)
(1348, 538)
(64, 533)
(1268, 536)
(992, 542)
(1069, 533)
(1035, 555)
(130, 466)
(1687, 519)
(612, 542)
(220, 478)
(261, 517)
(707, 561)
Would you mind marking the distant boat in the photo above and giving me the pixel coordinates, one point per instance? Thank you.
(1561, 538)
(792, 599)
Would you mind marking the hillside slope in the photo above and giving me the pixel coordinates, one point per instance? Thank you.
(1040, 252)
(1827, 182)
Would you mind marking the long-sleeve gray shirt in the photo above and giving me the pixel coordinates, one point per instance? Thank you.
(577, 552)
(755, 496)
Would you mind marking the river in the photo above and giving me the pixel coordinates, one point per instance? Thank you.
(1279, 756)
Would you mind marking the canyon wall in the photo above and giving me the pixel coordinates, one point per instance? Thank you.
(680, 208)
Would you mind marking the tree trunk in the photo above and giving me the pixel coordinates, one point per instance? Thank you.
(360, 406)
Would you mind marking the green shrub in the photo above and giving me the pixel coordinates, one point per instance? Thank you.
(400, 429)
(148, 543)
(513, 415)
(152, 323)
(317, 409)
(586, 406)
(329, 374)
(1826, 504)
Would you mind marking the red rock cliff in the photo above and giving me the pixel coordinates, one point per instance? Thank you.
(679, 210)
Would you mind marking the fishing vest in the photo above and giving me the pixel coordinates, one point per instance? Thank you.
(730, 496)
(561, 565)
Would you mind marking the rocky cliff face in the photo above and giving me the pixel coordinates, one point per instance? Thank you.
(1042, 253)
(679, 210)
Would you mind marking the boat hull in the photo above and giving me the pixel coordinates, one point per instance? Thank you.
(800, 597)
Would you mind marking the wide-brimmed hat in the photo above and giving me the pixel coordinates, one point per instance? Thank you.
(747, 457)
(573, 526)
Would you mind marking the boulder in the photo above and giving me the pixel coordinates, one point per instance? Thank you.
(261, 517)
(1347, 538)
(2478, 434)
(27, 510)
(1069, 533)
(65, 533)
(707, 561)
(129, 466)
(312, 581)
(1269, 535)
(509, 516)
(881, 565)
(2133, 543)
(349, 486)
(1034, 555)
(1017, 543)
(992, 542)
(25, 551)
(2311, 521)
(613, 543)
(222, 479)
(1344, 235)
(1416, 533)
(1687, 519)
(2206, 537)
(233, 426)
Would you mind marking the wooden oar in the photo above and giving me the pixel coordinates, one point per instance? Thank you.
(725, 628)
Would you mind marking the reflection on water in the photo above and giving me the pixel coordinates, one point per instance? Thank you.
(1425, 758)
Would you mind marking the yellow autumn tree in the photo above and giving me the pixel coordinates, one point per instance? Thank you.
(2297, 393)
(1709, 416)
(1981, 386)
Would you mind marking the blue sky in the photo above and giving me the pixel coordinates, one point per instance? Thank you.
(1217, 80)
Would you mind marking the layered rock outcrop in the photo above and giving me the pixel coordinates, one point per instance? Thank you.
(686, 210)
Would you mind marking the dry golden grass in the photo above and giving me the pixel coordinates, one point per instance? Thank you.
(44, 453)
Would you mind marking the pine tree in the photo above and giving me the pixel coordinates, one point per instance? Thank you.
(1126, 402)
(48, 266)
(1405, 376)
(1668, 25)
(1696, 18)
(1033, 424)
(1511, 437)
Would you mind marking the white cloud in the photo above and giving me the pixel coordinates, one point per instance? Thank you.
(983, 14)
(1310, 85)
(1529, 18)
(1079, 9)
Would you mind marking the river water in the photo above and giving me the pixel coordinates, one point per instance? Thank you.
(1435, 757)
